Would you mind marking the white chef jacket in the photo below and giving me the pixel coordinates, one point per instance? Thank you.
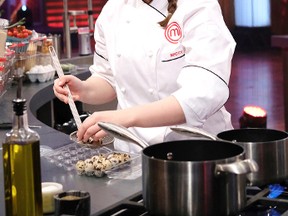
(189, 59)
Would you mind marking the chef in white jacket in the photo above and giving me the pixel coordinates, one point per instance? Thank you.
(166, 62)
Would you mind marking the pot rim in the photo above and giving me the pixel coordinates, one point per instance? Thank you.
(216, 161)
(283, 133)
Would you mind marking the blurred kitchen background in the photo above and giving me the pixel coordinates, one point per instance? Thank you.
(258, 26)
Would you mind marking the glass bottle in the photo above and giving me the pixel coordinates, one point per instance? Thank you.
(22, 168)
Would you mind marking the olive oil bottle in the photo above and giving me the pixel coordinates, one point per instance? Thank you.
(21, 164)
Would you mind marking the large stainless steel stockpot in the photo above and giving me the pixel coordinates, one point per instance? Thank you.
(191, 177)
(268, 147)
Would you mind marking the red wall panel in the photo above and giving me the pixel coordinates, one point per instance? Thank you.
(54, 12)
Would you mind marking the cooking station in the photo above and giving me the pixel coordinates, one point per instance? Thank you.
(119, 197)
(261, 205)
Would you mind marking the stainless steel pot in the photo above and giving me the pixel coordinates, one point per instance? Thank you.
(191, 177)
(268, 147)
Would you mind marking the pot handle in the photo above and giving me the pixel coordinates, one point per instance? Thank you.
(239, 167)
(190, 131)
(122, 133)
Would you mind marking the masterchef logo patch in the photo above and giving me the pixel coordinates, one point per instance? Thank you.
(173, 32)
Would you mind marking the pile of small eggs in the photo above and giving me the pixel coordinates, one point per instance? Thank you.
(98, 164)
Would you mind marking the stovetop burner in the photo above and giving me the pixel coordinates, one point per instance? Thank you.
(258, 204)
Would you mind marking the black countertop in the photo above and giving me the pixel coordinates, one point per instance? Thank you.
(104, 191)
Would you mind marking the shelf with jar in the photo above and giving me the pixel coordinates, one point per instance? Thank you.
(31, 55)
(6, 71)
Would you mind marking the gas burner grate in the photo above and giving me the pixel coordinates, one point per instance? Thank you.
(257, 205)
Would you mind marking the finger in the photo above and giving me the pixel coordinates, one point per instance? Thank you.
(99, 135)
(90, 132)
(80, 132)
(63, 81)
(61, 97)
(83, 132)
(60, 92)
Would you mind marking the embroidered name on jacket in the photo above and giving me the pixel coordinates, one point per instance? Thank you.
(173, 32)
(177, 54)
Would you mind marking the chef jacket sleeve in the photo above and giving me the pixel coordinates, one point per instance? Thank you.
(209, 48)
(101, 66)
(201, 95)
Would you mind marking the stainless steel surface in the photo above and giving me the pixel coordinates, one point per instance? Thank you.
(238, 167)
(66, 33)
(56, 42)
(76, 12)
(84, 43)
(90, 15)
(122, 133)
(267, 147)
(199, 180)
(191, 187)
(66, 21)
(185, 130)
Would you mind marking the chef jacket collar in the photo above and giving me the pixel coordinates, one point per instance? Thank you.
(159, 5)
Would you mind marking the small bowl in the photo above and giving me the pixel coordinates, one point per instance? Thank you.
(49, 190)
(72, 202)
(94, 144)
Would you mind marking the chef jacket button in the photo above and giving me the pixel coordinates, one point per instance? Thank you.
(123, 90)
(118, 54)
(127, 21)
(150, 53)
(151, 91)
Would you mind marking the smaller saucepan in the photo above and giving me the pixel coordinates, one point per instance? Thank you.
(268, 147)
(190, 177)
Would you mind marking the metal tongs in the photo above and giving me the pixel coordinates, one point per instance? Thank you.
(71, 103)
(60, 73)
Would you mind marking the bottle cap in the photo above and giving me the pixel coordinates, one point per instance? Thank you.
(19, 106)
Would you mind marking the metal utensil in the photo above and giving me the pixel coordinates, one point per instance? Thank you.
(122, 133)
(60, 73)
(181, 129)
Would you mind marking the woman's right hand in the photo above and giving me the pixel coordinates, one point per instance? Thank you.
(61, 92)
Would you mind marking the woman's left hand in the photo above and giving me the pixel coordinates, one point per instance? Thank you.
(146, 115)
(89, 128)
